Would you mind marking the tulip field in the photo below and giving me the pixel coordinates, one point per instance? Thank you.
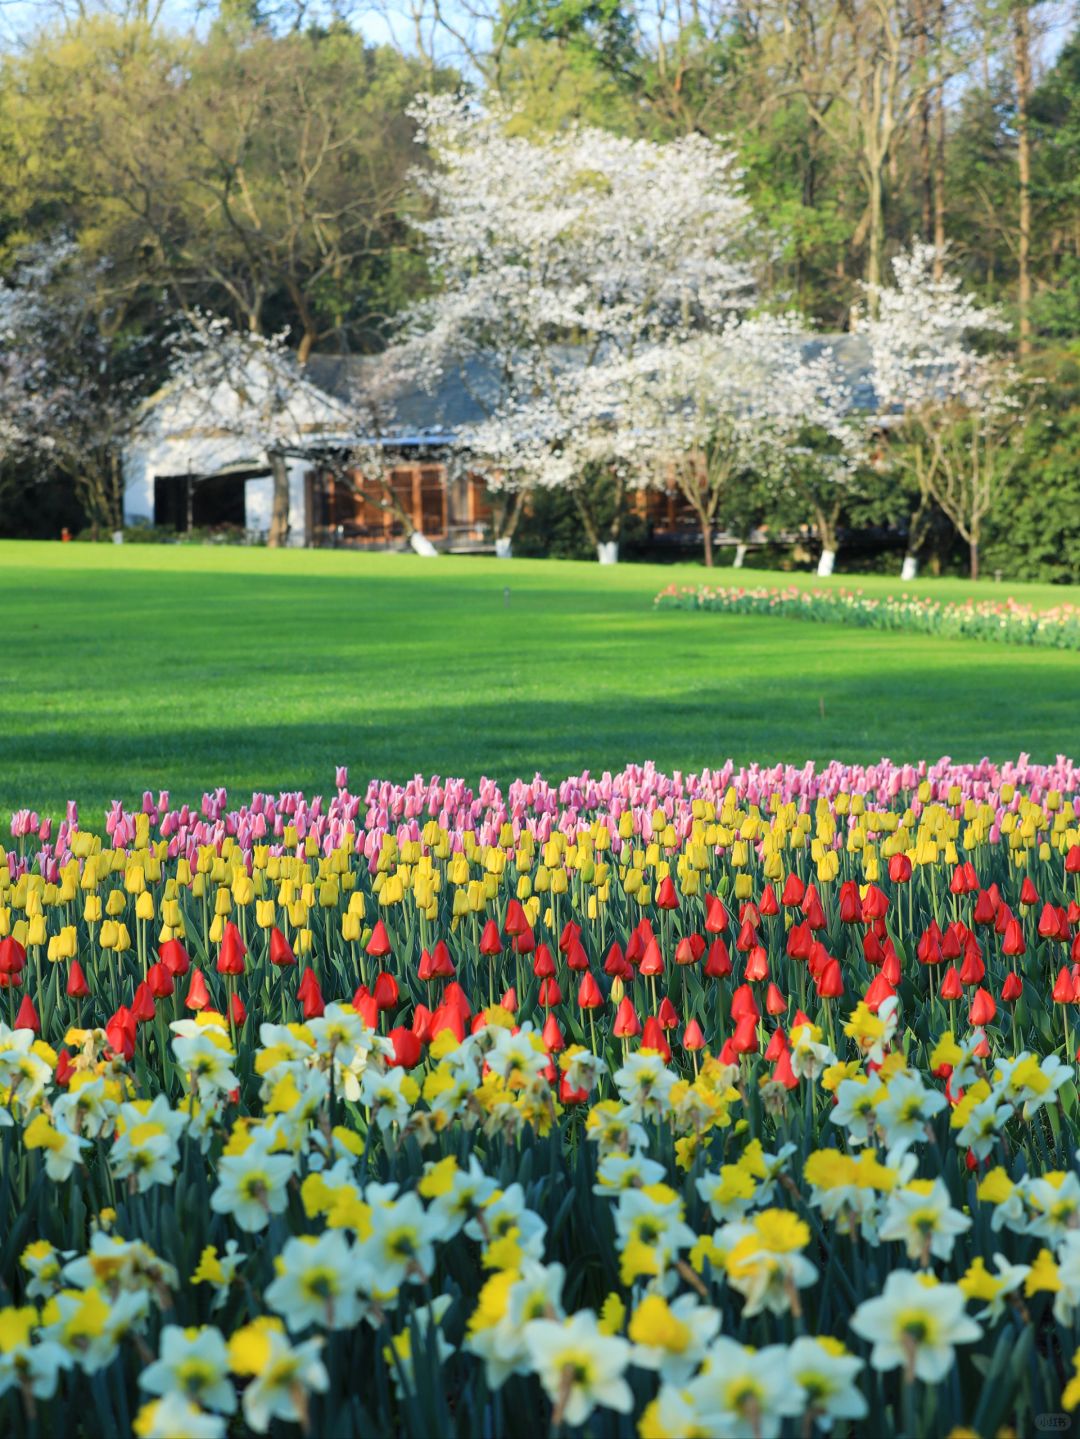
(735, 1103)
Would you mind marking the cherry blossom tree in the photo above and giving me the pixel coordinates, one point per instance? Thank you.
(950, 404)
(559, 259)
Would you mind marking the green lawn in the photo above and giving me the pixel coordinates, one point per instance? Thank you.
(144, 667)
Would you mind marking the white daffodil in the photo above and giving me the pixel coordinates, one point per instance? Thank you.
(915, 1324)
(204, 1056)
(626, 1171)
(1054, 1205)
(672, 1338)
(644, 1083)
(905, 1111)
(983, 1125)
(856, 1107)
(923, 1219)
(506, 1214)
(316, 1282)
(401, 1245)
(192, 1364)
(252, 1186)
(175, 1417)
(826, 1372)
(283, 1375)
(764, 1261)
(24, 1364)
(580, 1368)
(384, 1091)
(744, 1393)
(980, 1283)
(43, 1264)
(509, 1301)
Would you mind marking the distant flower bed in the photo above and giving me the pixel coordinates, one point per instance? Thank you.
(1006, 621)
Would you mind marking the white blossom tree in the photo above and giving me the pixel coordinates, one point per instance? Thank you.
(559, 259)
(950, 404)
(68, 388)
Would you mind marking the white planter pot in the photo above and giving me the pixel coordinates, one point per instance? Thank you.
(118, 537)
(503, 549)
(422, 545)
(910, 570)
(607, 552)
(827, 563)
(740, 557)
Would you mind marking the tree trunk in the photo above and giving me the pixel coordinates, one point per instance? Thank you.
(973, 550)
(939, 156)
(926, 177)
(1022, 72)
(706, 534)
(279, 513)
(876, 232)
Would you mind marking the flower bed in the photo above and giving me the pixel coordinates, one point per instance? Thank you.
(741, 1103)
(1004, 621)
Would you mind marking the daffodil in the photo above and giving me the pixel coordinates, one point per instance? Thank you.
(317, 1282)
(192, 1364)
(580, 1368)
(921, 1216)
(744, 1393)
(915, 1324)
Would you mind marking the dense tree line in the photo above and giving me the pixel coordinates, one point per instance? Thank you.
(262, 167)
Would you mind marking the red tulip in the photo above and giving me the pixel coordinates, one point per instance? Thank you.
(379, 946)
(744, 1005)
(543, 963)
(552, 1035)
(718, 963)
(27, 1017)
(570, 932)
(509, 1001)
(455, 995)
(490, 943)
(775, 1003)
(445, 1017)
(576, 958)
(652, 1037)
(685, 953)
(1028, 893)
(281, 951)
(120, 1032)
(972, 971)
(692, 1036)
(231, 951)
(1063, 987)
(385, 991)
(1013, 942)
(982, 1009)
(667, 1014)
(768, 905)
(550, 992)
(407, 1048)
(174, 957)
(64, 1068)
(875, 903)
(757, 964)
(588, 995)
(197, 996)
(1012, 989)
(745, 1038)
(425, 970)
(12, 957)
(626, 1025)
(799, 941)
(443, 965)
(716, 916)
(815, 915)
(666, 898)
(951, 988)
(653, 960)
(830, 983)
(793, 891)
(1072, 859)
(850, 904)
(899, 868)
(879, 991)
(783, 1072)
(1050, 925)
(77, 986)
(616, 961)
(569, 1095)
(309, 993)
(516, 921)
(776, 1046)
(985, 908)
(525, 942)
